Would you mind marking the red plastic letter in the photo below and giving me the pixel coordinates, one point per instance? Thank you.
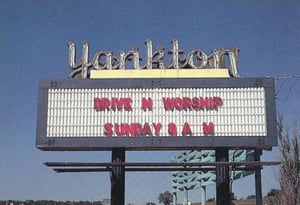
(172, 129)
(97, 104)
(157, 128)
(169, 103)
(116, 103)
(146, 104)
(118, 129)
(196, 103)
(178, 104)
(108, 130)
(125, 128)
(147, 130)
(105, 103)
(136, 129)
(127, 105)
(187, 103)
(218, 102)
(186, 130)
(208, 129)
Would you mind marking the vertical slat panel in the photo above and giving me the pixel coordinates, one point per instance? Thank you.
(71, 112)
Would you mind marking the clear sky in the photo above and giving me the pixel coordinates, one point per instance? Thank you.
(33, 46)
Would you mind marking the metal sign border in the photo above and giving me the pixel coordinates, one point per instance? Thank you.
(156, 143)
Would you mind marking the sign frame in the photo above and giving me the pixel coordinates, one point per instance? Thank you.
(86, 143)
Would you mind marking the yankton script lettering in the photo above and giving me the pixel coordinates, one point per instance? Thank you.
(195, 59)
(153, 129)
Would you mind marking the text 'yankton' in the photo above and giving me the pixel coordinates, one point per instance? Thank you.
(195, 59)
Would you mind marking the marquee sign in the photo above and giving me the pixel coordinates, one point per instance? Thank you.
(159, 114)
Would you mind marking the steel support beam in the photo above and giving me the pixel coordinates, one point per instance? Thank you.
(222, 178)
(258, 190)
(203, 195)
(117, 178)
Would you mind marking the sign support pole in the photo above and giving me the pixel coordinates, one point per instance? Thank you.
(117, 177)
(222, 178)
(203, 195)
(258, 190)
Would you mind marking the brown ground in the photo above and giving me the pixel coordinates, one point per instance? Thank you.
(238, 202)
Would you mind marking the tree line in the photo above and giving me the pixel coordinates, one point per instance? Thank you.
(48, 202)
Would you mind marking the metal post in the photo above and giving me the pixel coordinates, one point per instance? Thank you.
(174, 198)
(186, 197)
(258, 190)
(222, 178)
(117, 178)
(203, 195)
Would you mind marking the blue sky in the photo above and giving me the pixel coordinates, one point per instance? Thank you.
(33, 46)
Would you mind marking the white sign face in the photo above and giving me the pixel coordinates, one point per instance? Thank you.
(163, 112)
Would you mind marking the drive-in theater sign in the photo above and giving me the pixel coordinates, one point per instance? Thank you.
(161, 108)
(197, 101)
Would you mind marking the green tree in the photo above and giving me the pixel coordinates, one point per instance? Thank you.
(166, 198)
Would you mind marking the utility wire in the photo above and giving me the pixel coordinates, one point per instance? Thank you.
(285, 79)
